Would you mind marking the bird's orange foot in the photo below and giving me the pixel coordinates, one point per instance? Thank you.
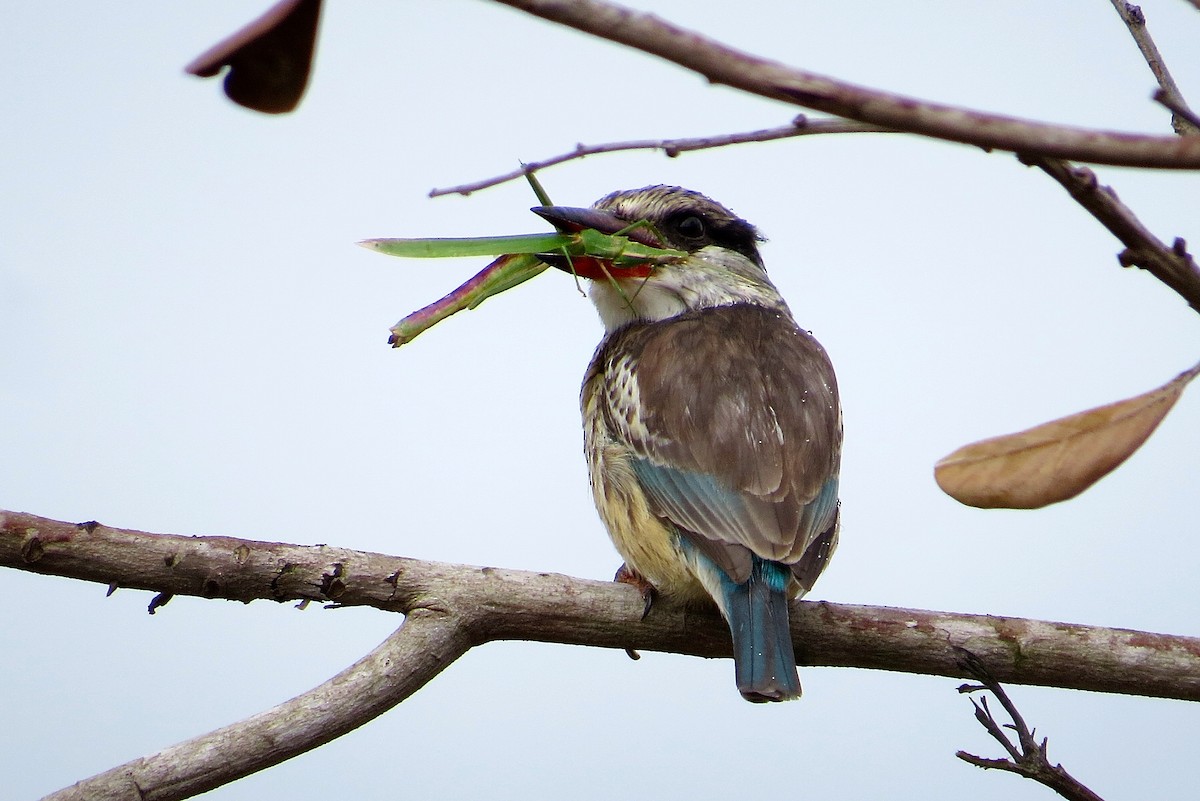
(625, 575)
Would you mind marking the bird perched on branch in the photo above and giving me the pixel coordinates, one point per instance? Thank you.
(712, 424)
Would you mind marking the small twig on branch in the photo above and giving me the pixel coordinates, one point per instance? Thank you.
(725, 65)
(1028, 757)
(1171, 264)
(1183, 119)
(1178, 107)
(800, 126)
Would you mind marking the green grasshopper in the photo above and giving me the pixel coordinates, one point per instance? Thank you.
(519, 260)
(616, 248)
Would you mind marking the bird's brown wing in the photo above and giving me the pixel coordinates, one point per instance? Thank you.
(733, 416)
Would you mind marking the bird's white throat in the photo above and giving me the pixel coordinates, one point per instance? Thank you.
(707, 279)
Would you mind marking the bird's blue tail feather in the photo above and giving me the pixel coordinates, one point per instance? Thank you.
(763, 658)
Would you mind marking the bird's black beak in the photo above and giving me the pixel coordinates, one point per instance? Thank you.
(570, 220)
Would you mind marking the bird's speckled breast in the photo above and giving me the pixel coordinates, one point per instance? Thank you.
(647, 543)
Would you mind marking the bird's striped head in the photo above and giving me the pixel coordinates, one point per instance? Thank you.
(723, 266)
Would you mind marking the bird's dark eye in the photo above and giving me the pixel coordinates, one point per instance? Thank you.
(691, 227)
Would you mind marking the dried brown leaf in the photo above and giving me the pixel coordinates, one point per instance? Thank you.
(1056, 460)
(269, 59)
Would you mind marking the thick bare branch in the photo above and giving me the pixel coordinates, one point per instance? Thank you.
(725, 65)
(417, 651)
(1171, 264)
(496, 604)
(800, 126)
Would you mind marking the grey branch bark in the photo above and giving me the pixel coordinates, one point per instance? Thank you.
(499, 604)
(726, 65)
(401, 665)
(450, 608)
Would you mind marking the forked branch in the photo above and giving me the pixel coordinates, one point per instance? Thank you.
(1028, 757)
(451, 608)
(1168, 94)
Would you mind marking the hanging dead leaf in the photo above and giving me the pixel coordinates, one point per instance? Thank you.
(269, 59)
(1056, 460)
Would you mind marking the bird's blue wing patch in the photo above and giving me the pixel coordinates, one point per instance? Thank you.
(695, 501)
(704, 505)
(818, 514)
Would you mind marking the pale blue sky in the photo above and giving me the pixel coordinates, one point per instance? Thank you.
(191, 343)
